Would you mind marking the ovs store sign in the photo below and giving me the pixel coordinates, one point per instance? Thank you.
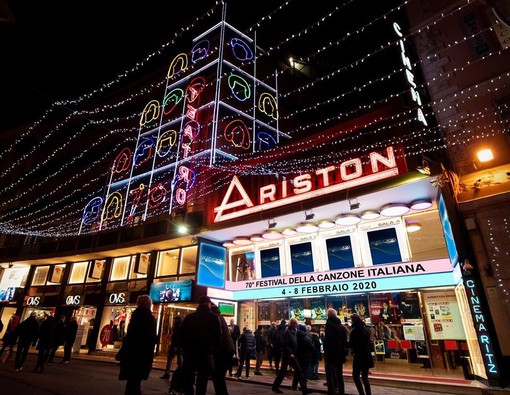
(73, 300)
(120, 298)
(33, 301)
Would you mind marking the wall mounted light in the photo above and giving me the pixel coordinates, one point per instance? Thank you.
(307, 227)
(394, 209)
(353, 204)
(271, 224)
(485, 155)
(347, 219)
(309, 215)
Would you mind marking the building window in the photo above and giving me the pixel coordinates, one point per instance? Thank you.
(189, 260)
(78, 272)
(168, 264)
(120, 268)
(40, 275)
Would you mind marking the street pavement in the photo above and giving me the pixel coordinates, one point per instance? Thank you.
(98, 375)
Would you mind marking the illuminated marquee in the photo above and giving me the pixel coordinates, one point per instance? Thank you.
(351, 173)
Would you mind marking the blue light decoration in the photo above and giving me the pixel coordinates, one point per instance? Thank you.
(448, 232)
(204, 117)
(172, 291)
(211, 264)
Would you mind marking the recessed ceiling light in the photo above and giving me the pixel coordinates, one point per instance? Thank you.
(413, 227)
(242, 241)
(272, 235)
(347, 219)
(307, 227)
(394, 209)
(289, 232)
(421, 204)
(257, 237)
(327, 224)
(370, 214)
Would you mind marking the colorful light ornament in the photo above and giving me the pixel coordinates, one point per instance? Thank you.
(200, 50)
(237, 133)
(165, 143)
(92, 211)
(195, 88)
(112, 207)
(178, 65)
(157, 195)
(265, 140)
(171, 100)
(267, 105)
(137, 194)
(239, 87)
(144, 151)
(150, 113)
(241, 50)
(123, 161)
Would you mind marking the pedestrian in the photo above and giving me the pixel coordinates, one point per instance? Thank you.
(260, 348)
(313, 373)
(136, 354)
(71, 329)
(246, 350)
(335, 350)
(27, 332)
(201, 339)
(174, 349)
(235, 332)
(223, 358)
(92, 336)
(278, 344)
(359, 342)
(44, 343)
(270, 334)
(304, 354)
(58, 337)
(10, 337)
(289, 357)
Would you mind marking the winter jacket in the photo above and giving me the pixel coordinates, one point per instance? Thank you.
(201, 332)
(335, 341)
(247, 342)
(359, 342)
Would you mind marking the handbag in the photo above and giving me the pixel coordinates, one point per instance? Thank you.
(235, 360)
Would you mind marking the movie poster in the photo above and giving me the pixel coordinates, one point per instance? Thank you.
(384, 308)
(264, 309)
(297, 309)
(359, 304)
(443, 315)
(409, 306)
(282, 310)
(318, 307)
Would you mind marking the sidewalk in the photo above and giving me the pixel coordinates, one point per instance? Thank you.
(382, 383)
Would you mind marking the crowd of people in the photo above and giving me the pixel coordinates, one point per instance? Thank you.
(46, 334)
(206, 348)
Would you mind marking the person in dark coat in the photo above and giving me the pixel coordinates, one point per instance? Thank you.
(260, 348)
(289, 357)
(335, 348)
(246, 350)
(44, 343)
(27, 332)
(71, 329)
(174, 349)
(304, 353)
(10, 337)
(277, 343)
(58, 337)
(92, 336)
(359, 343)
(223, 358)
(201, 339)
(137, 351)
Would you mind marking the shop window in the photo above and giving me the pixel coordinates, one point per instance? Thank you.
(242, 266)
(95, 270)
(189, 260)
(137, 267)
(168, 263)
(55, 274)
(78, 272)
(120, 268)
(40, 275)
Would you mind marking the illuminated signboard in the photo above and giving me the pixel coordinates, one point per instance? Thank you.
(448, 232)
(213, 109)
(211, 265)
(321, 182)
(172, 291)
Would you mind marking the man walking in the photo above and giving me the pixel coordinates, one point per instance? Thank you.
(335, 347)
(289, 357)
(27, 331)
(201, 339)
(69, 337)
